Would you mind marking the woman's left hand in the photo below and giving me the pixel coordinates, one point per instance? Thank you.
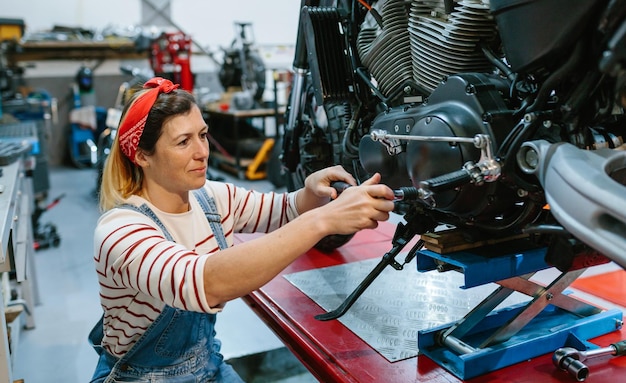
(318, 183)
(317, 190)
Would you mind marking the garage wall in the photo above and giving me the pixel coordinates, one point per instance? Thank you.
(57, 79)
(210, 23)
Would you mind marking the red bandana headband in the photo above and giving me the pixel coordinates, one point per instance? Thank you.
(131, 128)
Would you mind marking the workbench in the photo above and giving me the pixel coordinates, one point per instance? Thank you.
(244, 167)
(333, 353)
(73, 50)
(16, 253)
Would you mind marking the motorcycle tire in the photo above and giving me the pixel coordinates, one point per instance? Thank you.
(231, 73)
(317, 153)
(329, 243)
(275, 173)
(256, 70)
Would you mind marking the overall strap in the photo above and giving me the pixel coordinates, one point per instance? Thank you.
(145, 210)
(96, 335)
(214, 218)
(167, 311)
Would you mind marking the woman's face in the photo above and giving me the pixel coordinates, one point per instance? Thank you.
(180, 159)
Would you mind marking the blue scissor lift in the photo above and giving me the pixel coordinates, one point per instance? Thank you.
(488, 339)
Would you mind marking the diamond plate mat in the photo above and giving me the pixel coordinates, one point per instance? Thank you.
(396, 305)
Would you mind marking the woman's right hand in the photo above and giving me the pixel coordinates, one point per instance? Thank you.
(357, 207)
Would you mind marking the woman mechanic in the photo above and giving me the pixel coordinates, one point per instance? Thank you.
(163, 245)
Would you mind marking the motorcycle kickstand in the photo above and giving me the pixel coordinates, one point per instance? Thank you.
(399, 243)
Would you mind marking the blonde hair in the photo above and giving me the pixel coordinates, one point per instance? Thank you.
(120, 177)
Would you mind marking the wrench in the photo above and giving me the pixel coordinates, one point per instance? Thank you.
(571, 360)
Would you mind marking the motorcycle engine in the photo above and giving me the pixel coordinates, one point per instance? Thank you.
(452, 65)
(441, 43)
(421, 42)
(463, 105)
(439, 69)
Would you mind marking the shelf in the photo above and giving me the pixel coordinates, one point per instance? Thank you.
(78, 50)
(16, 252)
(228, 124)
(249, 168)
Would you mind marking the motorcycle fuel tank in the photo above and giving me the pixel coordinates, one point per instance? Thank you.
(532, 34)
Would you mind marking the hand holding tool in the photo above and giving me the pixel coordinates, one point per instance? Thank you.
(401, 194)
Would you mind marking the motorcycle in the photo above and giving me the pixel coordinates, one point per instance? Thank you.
(484, 116)
(243, 67)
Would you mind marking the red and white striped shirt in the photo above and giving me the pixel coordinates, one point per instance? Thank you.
(140, 271)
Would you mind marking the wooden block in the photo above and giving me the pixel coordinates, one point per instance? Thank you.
(448, 241)
(12, 312)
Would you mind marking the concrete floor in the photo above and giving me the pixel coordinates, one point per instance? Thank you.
(56, 350)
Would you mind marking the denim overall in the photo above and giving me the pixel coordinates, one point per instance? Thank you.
(180, 346)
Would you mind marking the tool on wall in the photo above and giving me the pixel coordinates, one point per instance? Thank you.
(86, 119)
(170, 57)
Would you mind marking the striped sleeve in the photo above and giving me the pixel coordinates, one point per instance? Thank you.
(249, 211)
(132, 253)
